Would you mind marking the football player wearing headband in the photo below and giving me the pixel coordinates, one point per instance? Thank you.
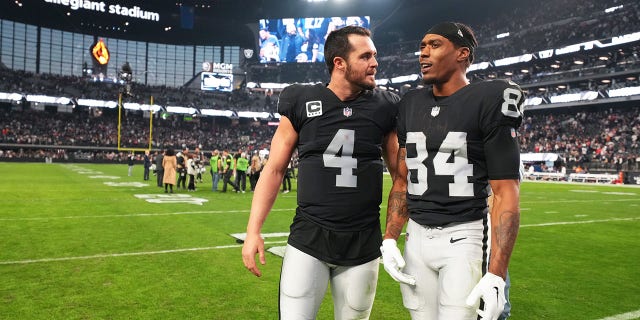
(456, 140)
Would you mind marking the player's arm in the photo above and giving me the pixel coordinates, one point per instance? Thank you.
(282, 145)
(505, 222)
(390, 152)
(397, 213)
(397, 217)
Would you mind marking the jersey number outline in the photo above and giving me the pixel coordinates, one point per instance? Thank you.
(343, 140)
(507, 95)
(454, 145)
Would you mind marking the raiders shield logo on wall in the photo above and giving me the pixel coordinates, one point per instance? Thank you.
(248, 53)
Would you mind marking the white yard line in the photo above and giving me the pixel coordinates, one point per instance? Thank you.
(125, 254)
(137, 215)
(624, 316)
(576, 222)
(111, 255)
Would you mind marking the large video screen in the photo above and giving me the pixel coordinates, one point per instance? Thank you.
(300, 40)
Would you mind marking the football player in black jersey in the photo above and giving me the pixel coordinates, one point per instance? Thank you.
(456, 139)
(342, 131)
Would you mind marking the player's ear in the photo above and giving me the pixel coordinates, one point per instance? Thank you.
(339, 63)
(463, 54)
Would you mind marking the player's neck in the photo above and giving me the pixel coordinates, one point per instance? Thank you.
(344, 90)
(450, 87)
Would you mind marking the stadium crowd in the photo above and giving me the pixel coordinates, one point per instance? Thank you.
(84, 135)
(607, 142)
(590, 139)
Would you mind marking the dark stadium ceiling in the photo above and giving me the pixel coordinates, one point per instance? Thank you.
(234, 22)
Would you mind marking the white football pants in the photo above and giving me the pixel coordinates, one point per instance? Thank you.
(447, 264)
(304, 281)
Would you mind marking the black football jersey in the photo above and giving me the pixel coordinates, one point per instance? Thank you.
(455, 145)
(339, 149)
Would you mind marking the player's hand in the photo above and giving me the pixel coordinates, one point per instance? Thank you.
(253, 244)
(491, 290)
(393, 262)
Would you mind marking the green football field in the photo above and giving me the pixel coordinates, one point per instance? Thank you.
(84, 241)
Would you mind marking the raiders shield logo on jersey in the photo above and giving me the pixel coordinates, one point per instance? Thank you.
(314, 108)
(347, 112)
(435, 111)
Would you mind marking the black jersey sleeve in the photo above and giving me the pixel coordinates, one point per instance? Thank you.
(500, 122)
(502, 105)
(287, 105)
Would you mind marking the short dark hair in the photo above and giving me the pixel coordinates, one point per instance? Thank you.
(337, 43)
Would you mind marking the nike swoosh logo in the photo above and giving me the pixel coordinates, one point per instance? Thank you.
(452, 240)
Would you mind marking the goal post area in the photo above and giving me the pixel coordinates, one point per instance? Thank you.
(149, 138)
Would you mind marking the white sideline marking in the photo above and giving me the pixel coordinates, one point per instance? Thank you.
(624, 316)
(126, 254)
(576, 201)
(272, 242)
(576, 222)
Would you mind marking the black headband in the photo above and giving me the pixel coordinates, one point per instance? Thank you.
(456, 35)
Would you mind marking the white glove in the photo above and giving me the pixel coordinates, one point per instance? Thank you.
(393, 262)
(491, 290)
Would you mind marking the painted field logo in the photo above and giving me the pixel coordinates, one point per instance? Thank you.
(171, 198)
(126, 184)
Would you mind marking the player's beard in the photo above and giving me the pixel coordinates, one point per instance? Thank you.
(358, 79)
